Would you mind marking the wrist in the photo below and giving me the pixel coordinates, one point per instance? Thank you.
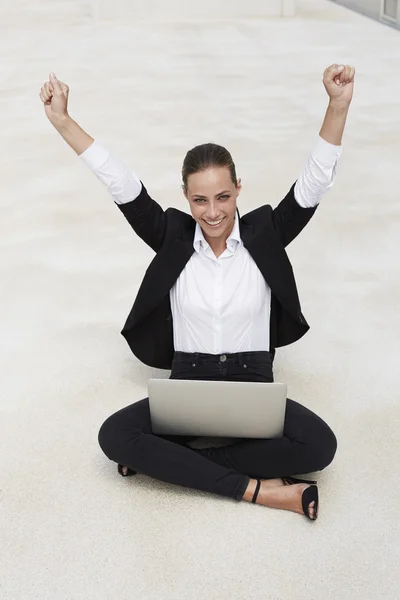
(61, 122)
(338, 105)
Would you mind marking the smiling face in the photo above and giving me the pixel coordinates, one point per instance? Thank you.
(212, 199)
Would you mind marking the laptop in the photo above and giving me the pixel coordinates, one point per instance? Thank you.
(240, 409)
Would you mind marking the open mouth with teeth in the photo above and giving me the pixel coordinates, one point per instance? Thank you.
(214, 223)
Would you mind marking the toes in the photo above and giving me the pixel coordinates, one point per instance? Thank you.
(122, 470)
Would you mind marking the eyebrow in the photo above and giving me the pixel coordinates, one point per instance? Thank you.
(219, 194)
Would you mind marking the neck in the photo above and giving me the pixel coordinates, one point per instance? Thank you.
(218, 245)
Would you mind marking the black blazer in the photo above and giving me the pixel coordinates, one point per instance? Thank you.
(265, 233)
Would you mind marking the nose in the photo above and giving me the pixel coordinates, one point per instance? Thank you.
(212, 211)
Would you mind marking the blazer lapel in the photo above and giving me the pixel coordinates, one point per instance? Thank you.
(273, 263)
(161, 275)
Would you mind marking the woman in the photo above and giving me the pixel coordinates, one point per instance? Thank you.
(216, 301)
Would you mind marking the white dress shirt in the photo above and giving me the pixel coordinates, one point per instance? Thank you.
(219, 305)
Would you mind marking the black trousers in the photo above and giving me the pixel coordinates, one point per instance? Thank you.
(308, 444)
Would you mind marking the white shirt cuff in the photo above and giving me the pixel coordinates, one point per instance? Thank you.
(326, 153)
(122, 183)
(95, 156)
(318, 175)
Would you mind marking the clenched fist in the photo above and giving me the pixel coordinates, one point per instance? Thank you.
(54, 95)
(339, 83)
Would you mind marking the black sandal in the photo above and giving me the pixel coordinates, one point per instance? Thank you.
(257, 490)
(129, 472)
(296, 480)
(309, 495)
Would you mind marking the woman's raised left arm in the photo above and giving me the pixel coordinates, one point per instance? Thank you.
(319, 171)
(317, 177)
(339, 84)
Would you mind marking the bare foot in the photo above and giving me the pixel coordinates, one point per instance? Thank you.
(275, 494)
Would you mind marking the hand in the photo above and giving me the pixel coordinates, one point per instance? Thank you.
(54, 95)
(339, 83)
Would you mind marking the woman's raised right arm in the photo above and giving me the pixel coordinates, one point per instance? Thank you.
(145, 215)
(54, 95)
(121, 182)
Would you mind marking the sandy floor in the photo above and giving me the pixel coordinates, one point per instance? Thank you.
(71, 528)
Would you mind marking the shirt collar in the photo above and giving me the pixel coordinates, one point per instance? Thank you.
(232, 242)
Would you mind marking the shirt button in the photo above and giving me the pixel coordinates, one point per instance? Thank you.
(222, 358)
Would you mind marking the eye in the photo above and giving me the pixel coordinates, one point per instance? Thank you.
(224, 197)
(198, 200)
